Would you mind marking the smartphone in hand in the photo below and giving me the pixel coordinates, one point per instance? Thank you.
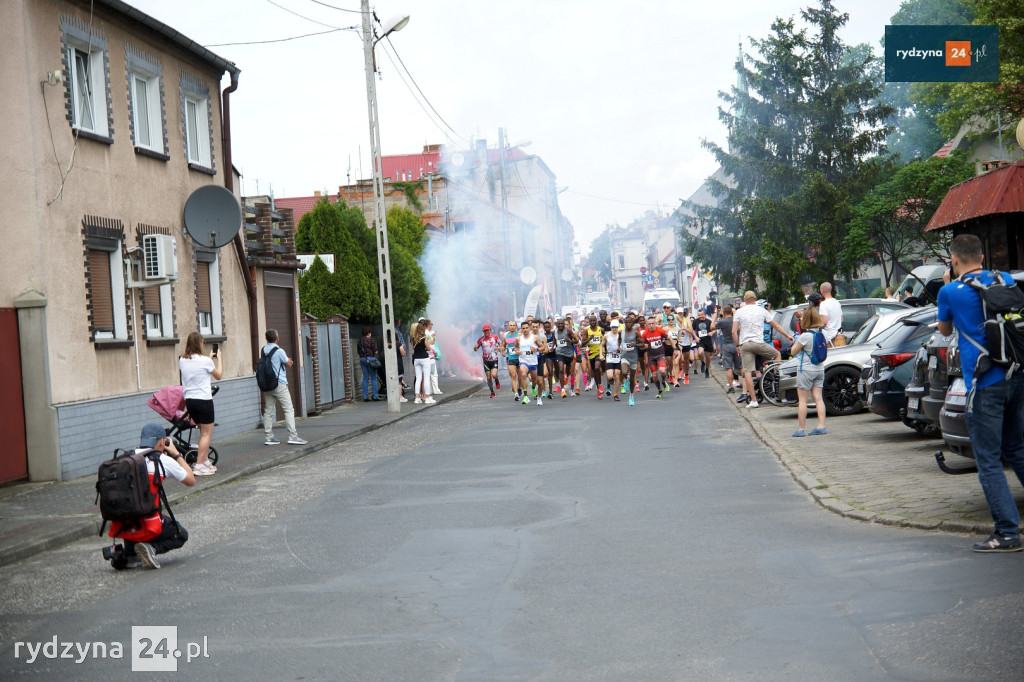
(216, 349)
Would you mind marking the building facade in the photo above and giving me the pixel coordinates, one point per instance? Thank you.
(112, 120)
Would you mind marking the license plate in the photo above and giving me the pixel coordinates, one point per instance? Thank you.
(860, 386)
(933, 362)
(870, 395)
(913, 403)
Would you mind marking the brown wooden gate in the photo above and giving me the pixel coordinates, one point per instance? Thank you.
(279, 291)
(13, 454)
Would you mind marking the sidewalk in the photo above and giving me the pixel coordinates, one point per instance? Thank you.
(871, 469)
(39, 516)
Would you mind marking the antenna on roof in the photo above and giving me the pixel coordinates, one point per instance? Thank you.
(348, 174)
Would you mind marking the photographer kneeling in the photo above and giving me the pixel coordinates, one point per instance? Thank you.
(155, 534)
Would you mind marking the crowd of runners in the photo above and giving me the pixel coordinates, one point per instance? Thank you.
(615, 355)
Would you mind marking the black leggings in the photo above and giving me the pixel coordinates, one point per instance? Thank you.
(173, 536)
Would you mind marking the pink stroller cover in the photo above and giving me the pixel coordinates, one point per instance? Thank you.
(168, 402)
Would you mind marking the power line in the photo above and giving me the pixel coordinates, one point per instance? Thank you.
(340, 9)
(283, 40)
(302, 16)
(425, 99)
(619, 201)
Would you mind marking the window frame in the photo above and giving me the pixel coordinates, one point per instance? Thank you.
(197, 127)
(79, 38)
(106, 235)
(210, 322)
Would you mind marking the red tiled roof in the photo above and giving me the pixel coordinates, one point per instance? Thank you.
(944, 150)
(406, 167)
(998, 191)
(301, 205)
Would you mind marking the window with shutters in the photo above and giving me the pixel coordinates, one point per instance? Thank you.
(105, 282)
(157, 302)
(208, 307)
(197, 123)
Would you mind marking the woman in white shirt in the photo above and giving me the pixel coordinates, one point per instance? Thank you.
(196, 372)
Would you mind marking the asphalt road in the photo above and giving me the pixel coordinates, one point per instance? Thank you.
(484, 540)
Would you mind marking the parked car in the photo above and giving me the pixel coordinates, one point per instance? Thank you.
(951, 415)
(891, 365)
(924, 282)
(926, 391)
(843, 365)
(856, 311)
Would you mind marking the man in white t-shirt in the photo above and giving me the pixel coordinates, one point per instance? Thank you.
(281, 362)
(831, 313)
(748, 335)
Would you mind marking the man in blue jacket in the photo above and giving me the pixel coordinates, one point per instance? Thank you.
(995, 406)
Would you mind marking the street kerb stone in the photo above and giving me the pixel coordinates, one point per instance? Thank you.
(870, 469)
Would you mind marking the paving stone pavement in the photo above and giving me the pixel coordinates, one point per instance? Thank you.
(872, 469)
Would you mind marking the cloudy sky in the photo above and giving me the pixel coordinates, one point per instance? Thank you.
(614, 96)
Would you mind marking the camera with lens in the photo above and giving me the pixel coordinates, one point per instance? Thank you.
(113, 552)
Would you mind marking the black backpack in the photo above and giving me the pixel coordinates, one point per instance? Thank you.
(266, 377)
(1003, 307)
(122, 487)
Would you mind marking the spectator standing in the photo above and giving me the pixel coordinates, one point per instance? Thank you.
(421, 347)
(995, 403)
(810, 378)
(435, 358)
(730, 355)
(367, 349)
(748, 336)
(400, 360)
(831, 313)
(890, 294)
(281, 362)
(910, 299)
(196, 372)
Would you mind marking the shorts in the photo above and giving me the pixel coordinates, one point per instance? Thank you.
(611, 364)
(512, 362)
(731, 358)
(564, 360)
(627, 362)
(529, 367)
(708, 344)
(656, 361)
(549, 359)
(754, 349)
(670, 351)
(809, 380)
(684, 349)
(490, 364)
(200, 411)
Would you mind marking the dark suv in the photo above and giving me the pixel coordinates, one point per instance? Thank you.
(891, 366)
(926, 391)
(856, 311)
(951, 416)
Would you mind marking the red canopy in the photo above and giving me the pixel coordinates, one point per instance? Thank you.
(998, 191)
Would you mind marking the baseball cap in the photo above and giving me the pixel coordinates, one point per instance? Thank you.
(680, 309)
(151, 434)
(615, 324)
(487, 328)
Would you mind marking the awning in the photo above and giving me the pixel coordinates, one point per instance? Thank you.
(995, 192)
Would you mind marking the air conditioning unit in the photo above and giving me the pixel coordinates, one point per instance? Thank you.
(160, 257)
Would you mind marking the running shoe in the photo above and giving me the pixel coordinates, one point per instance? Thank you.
(743, 398)
(752, 405)
(631, 402)
(731, 389)
(492, 394)
(668, 388)
(429, 401)
(994, 543)
(622, 389)
(658, 396)
(563, 393)
(577, 391)
(526, 400)
(616, 398)
(600, 395)
(550, 396)
(418, 401)
(707, 374)
(637, 389)
(147, 554)
(497, 384)
(540, 401)
(686, 379)
(295, 440)
(647, 386)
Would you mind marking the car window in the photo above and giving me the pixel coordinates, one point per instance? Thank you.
(792, 321)
(886, 308)
(884, 335)
(855, 316)
(865, 331)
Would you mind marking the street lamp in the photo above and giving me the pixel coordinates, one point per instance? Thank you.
(383, 255)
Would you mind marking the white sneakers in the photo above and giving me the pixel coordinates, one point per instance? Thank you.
(429, 401)
(752, 404)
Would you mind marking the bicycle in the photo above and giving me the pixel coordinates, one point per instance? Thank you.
(769, 384)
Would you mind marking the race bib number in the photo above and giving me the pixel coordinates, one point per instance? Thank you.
(595, 341)
(702, 333)
(529, 354)
(628, 346)
(614, 357)
(562, 343)
(674, 335)
(656, 343)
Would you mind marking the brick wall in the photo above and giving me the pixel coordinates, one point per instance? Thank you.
(91, 430)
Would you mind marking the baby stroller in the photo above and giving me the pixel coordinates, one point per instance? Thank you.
(169, 403)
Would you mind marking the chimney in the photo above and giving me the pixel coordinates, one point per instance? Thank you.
(316, 193)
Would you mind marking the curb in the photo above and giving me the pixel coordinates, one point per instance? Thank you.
(821, 493)
(81, 528)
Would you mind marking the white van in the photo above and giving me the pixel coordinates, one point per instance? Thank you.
(924, 278)
(655, 299)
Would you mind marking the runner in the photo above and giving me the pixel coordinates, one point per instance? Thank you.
(705, 344)
(508, 340)
(630, 356)
(595, 366)
(611, 348)
(549, 359)
(488, 347)
(565, 339)
(672, 352)
(730, 355)
(529, 346)
(641, 347)
(655, 337)
(685, 345)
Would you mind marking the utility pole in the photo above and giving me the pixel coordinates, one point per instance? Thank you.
(504, 225)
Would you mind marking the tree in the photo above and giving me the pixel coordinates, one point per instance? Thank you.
(407, 229)
(351, 289)
(888, 224)
(599, 260)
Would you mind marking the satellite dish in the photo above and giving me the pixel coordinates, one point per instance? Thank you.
(1020, 133)
(528, 275)
(212, 216)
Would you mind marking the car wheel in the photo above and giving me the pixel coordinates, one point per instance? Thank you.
(840, 391)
